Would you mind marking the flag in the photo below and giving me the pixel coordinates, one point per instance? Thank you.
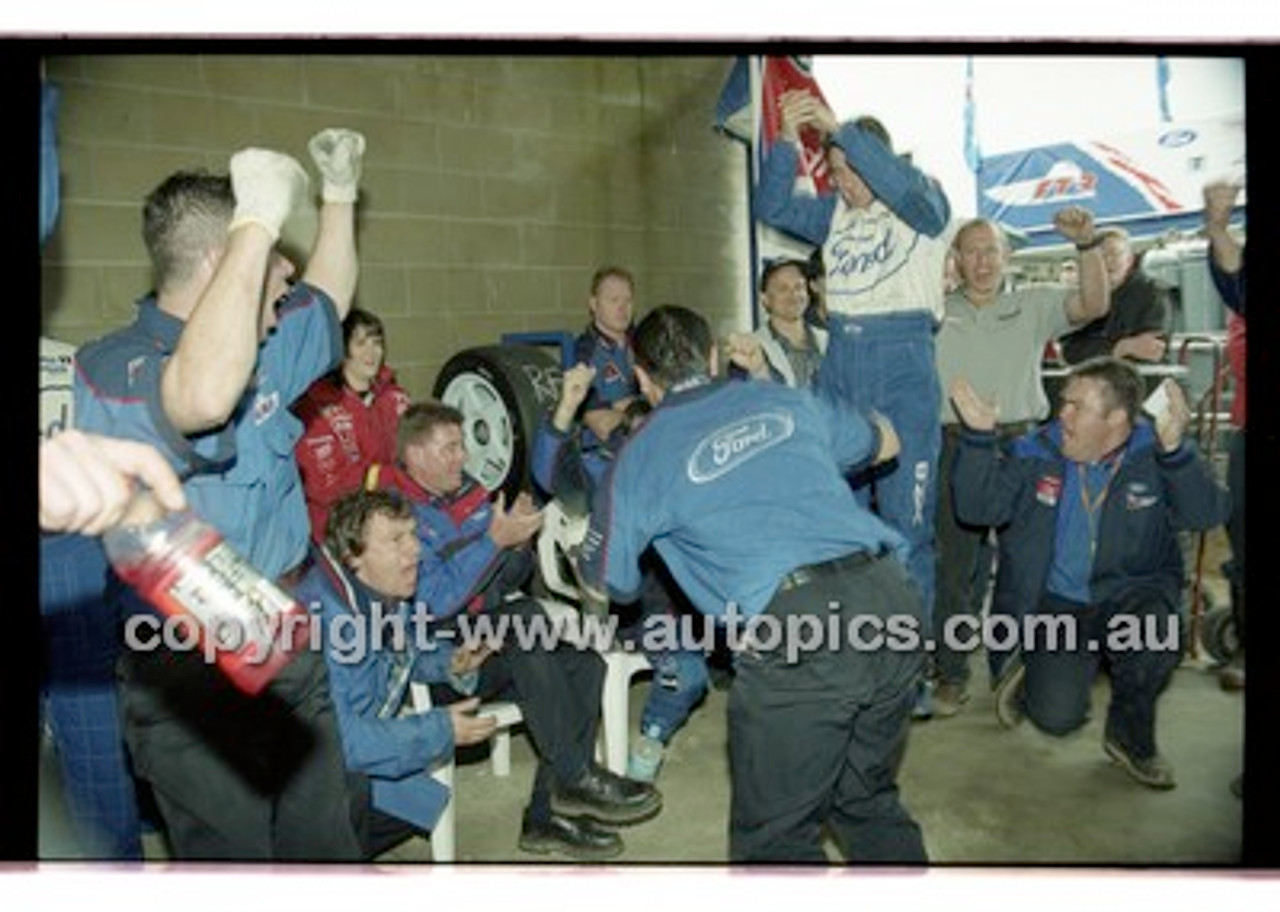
(738, 117)
(733, 110)
(50, 184)
(972, 152)
(748, 110)
(1162, 88)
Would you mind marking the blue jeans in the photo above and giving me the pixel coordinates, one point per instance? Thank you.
(1059, 681)
(886, 363)
(679, 675)
(82, 642)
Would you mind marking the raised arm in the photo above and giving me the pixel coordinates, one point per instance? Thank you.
(215, 356)
(1219, 198)
(1226, 254)
(776, 202)
(1093, 297)
(333, 265)
(912, 195)
(983, 483)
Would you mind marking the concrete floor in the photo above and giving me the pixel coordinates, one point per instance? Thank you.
(982, 794)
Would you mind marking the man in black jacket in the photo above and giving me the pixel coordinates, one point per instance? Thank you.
(1090, 568)
(1137, 325)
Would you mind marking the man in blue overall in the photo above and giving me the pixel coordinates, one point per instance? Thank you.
(206, 374)
(566, 468)
(605, 345)
(739, 487)
(884, 247)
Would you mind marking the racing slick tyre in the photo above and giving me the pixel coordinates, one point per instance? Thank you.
(502, 392)
(1218, 634)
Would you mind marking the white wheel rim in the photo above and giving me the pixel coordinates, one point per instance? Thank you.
(486, 428)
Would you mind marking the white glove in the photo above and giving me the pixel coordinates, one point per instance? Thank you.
(267, 185)
(337, 152)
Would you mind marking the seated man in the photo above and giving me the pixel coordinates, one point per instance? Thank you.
(369, 577)
(562, 467)
(606, 345)
(1090, 504)
(474, 562)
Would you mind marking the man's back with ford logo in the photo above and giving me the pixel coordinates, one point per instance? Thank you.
(740, 487)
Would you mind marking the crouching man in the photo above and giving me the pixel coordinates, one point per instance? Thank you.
(1089, 506)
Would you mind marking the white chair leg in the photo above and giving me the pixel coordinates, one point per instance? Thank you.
(443, 838)
(500, 753)
(616, 712)
(620, 668)
(506, 715)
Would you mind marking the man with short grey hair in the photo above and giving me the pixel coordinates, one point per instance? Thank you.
(995, 338)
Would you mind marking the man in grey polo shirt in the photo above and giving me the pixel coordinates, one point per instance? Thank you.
(995, 338)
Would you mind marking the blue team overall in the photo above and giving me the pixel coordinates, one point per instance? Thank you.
(234, 776)
(738, 486)
(884, 291)
(570, 469)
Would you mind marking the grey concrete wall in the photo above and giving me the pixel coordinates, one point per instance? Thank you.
(494, 185)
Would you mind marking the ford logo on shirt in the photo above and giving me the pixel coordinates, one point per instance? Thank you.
(729, 447)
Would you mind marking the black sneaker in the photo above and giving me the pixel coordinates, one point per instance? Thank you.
(1153, 772)
(576, 837)
(607, 797)
(1009, 696)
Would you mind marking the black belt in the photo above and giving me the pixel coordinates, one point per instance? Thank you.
(803, 576)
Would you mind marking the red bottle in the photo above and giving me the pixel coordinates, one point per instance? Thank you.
(182, 565)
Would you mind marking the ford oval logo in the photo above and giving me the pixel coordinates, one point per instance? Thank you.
(729, 447)
(1175, 139)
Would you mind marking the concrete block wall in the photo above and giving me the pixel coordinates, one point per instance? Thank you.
(493, 185)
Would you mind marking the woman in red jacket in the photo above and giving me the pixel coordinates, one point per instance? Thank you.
(349, 419)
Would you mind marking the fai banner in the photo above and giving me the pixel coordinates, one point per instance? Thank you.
(1148, 182)
(748, 110)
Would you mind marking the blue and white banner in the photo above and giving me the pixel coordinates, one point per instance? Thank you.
(1148, 182)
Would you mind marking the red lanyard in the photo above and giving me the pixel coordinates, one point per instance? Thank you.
(1091, 505)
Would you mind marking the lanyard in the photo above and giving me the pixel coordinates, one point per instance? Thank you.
(1093, 505)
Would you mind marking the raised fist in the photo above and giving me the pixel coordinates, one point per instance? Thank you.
(267, 186)
(338, 154)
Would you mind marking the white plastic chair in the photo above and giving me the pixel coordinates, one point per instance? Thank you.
(444, 835)
(559, 533)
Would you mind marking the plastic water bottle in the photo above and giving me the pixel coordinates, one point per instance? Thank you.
(184, 568)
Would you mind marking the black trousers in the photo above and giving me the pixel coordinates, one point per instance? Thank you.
(238, 777)
(965, 560)
(558, 691)
(818, 741)
(376, 830)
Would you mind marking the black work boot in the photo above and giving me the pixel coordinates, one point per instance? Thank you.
(576, 837)
(607, 797)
